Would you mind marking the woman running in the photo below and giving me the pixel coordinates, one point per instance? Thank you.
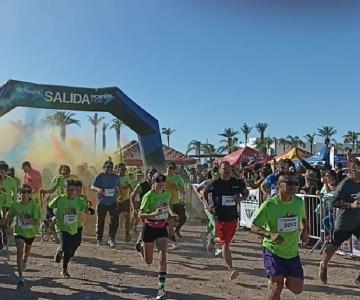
(154, 211)
(67, 209)
(27, 214)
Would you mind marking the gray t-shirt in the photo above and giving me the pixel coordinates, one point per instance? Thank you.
(347, 219)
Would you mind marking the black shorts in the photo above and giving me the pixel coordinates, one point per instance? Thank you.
(28, 241)
(340, 236)
(123, 207)
(150, 234)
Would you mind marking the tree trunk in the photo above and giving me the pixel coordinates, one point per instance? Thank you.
(118, 138)
(311, 148)
(120, 152)
(63, 133)
(104, 141)
(95, 130)
(168, 140)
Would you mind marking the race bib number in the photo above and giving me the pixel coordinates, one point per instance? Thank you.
(228, 201)
(164, 213)
(23, 223)
(70, 219)
(288, 224)
(109, 192)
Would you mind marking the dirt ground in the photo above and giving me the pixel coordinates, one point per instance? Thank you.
(119, 273)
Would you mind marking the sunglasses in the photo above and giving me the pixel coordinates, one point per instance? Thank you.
(25, 192)
(290, 183)
(357, 170)
(159, 180)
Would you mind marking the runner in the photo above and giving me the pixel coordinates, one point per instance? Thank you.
(67, 209)
(9, 187)
(124, 199)
(140, 190)
(58, 182)
(347, 223)
(33, 178)
(281, 221)
(27, 214)
(154, 210)
(11, 173)
(106, 185)
(176, 186)
(223, 195)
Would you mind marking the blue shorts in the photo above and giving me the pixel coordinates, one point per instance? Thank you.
(277, 266)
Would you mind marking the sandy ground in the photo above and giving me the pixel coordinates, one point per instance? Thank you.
(104, 273)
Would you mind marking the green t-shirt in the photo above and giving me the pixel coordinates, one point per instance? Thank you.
(173, 184)
(68, 213)
(58, 183)
(3, 202)
(125, 185)
(22, 213)
(153, 201)
(285, 218)
(10, 186)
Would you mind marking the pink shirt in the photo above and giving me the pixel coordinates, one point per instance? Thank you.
(33, 178)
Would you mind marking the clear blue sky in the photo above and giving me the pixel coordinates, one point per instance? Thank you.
(197, 65)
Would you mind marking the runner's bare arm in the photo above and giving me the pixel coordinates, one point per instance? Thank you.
(276, 237)
(134, 194)
(144, 215)
(304, 233)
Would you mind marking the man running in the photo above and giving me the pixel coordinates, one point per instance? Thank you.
(281, 221)
(223, 196)
(106, 185)
(176, 186)
(154, 210)
(124, 199)
(347, 222)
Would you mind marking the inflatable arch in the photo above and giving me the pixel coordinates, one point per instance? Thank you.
(26, 94)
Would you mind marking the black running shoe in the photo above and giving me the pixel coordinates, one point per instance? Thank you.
(65, 274)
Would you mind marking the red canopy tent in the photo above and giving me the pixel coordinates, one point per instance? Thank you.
(132, 157)
(244, 154)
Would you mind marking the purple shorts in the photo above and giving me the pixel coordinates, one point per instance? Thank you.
(277, 266)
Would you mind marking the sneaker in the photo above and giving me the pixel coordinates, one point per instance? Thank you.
(65, 274)
(218, 251)
(210, 243)
(20, 282)
(161, 294)
(234, 274)
(99, 243)
(111, 243)
(178, 234)
(323, 273)
(58, 255)
(127, 238)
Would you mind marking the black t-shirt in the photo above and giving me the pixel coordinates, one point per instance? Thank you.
(347, 219)
(145, 187)
(223, 193)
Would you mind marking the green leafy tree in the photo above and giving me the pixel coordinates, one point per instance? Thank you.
(167, 132)
(62, 119)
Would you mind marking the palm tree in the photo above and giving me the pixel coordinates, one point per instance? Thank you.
(260, 144)
(327, 132)
(194, 145)
(351, 137)
(210, 150)
(283, 142)
(295, 141)
(276, 141)
(230, 140)
(104, 128)
(95, 121)
(167, 132)
(62, 119)
(246, 130)
(268, 141)
(117, 125)
(310, 138)
(261, 128)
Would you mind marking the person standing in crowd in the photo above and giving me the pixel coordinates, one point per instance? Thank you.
(223, 196)
(281, 221)
(347, 223)
(67, 209)
(176, 186)
(154, 211)
(339, 172)
(27, 214)
(106, 185)
(124, 198)
(33, 178)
